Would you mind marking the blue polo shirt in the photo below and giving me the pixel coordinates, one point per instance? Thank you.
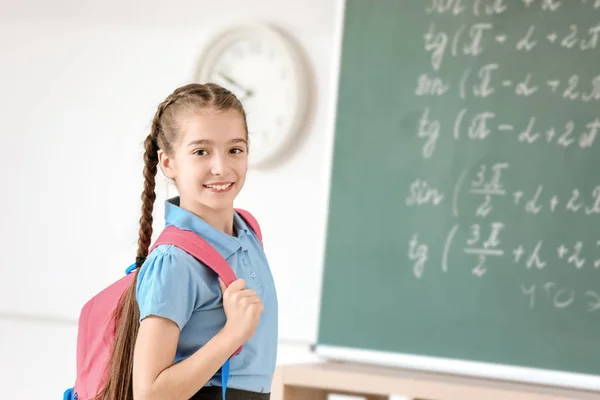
(174, 285)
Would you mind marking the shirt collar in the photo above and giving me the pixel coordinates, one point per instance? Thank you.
(225, 244)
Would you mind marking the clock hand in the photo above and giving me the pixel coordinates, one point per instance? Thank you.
(230, 80)
(247, 92)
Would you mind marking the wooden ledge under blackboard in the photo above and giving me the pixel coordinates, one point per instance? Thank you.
(316, 381)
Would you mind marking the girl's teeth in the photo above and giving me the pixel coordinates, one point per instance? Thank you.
(219, 187)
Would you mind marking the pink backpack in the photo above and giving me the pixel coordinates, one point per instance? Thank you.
(96, 326)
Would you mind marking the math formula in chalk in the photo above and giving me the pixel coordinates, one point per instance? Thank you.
(479, 87)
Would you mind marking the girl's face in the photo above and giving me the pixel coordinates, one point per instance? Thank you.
(210, 160)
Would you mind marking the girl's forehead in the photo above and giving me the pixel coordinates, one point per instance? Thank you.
(216, 126)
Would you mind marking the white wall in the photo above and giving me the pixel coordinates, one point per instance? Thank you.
(80, 81)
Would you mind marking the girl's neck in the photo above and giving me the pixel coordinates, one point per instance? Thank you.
(221, 219)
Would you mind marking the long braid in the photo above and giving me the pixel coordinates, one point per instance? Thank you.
(151, 147)
(148, 194)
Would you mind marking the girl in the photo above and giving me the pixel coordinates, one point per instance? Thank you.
(178, 323)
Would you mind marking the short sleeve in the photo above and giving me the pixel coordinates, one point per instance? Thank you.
(168, 286)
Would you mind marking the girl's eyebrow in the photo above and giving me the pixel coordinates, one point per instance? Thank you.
(238, 140)
(207, 141)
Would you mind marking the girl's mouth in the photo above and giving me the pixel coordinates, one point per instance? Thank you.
(219, 187)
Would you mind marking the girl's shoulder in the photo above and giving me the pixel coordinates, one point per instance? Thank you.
(172, 284)
(167, 259)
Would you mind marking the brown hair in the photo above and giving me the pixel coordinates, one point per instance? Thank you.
(163, 135)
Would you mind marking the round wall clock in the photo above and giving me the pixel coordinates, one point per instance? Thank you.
(264, 69)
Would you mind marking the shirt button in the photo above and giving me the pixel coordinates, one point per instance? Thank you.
(252, 274)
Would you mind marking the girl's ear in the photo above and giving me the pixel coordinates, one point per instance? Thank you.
(166, 165)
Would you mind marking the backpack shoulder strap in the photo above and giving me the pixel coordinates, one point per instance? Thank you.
(199, 248)
(251, 221)
(194, 245)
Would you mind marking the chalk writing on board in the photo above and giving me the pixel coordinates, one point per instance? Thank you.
(594, 301)
(489, 7)
(467, 40)
(572, 88)
(437, 42)
(421, 193)
(455, 7)
(532, 260)
(577, 255)
(526, 43)
(551, 5)
(430, 130)
(560, 297)
(448, 246)
(484, 89)
(570, 134)
(574, 202)
(492, 7)
(488, 188)
(495, 8)
(484, 249)
(430, 86)
(483, 192)
(575, 39)
(417, 252)
(483, 240)
(487, 184)
(458, 7)
(487, 80)
(482, 125)
(572, 39)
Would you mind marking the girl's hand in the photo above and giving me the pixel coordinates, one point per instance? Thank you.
(243, 309)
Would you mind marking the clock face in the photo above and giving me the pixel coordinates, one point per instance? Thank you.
(263, 71)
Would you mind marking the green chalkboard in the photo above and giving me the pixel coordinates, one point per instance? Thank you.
(464, 214)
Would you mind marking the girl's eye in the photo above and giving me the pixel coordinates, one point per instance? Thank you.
(236, 150)
(200, 152)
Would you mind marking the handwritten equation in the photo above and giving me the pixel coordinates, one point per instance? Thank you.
(479, 126)
(477, 34)
(488, 80)
(560, 297)
(468, 40)
(484, 240)
(495, 7)
(486, 182)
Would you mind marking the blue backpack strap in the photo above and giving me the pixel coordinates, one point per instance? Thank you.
(224, 378)
(130, 269)
(69, 395)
